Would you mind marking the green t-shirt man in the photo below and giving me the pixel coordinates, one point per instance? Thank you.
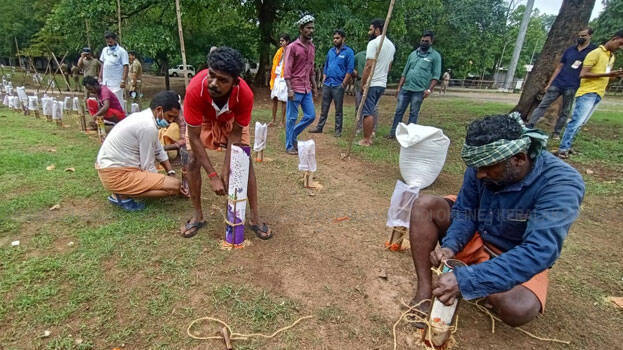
(360, 64)
(421, 68)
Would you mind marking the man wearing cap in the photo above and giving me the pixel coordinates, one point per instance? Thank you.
(508, 222)
(89, 65)
(299, 77)
(115, 61)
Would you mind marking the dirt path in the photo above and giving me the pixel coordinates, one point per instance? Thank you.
(337, 268)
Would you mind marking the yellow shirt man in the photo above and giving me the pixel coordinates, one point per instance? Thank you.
(600, 61)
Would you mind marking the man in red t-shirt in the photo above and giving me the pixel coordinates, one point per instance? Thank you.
(106, 105)
(217, 109)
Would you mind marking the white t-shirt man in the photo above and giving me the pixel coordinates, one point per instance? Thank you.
(386, 56)
(133, 142)
(113, 59)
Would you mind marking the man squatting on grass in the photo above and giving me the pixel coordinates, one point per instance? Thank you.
(126, 161)
(508, 223)
(217, 109)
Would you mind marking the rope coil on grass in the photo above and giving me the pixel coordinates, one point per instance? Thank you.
(238, 336)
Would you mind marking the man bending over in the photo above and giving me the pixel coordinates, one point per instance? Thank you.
(508, 223)
(217, 109)
(126, 160)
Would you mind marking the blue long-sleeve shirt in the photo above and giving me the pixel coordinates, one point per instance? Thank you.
(337, 65)
(528, 221)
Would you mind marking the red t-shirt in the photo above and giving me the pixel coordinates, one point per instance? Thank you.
(106, 94)
(198, 107)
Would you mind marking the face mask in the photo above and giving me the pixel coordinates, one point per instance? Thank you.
(162, 123)
(424, 46)
(580, 40)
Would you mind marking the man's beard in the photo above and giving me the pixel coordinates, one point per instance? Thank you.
(372, 36)
(510, 177)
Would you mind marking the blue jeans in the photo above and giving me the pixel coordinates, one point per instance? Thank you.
(584, 107)
(292, 112)
(405, 98)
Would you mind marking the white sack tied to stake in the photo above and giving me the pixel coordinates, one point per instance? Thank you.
(33, 103)
(261, 132)
(307, 155)
(134, 108)
(399, 213)
(75, 105)
(423, 151)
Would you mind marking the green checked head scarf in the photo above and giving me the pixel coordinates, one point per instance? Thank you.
(531, 141)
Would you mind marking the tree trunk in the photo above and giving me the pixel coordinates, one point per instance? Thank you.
(266, 11)
(165, 66)
(572, 17)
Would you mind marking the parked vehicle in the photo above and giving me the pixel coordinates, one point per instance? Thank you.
(179, 71)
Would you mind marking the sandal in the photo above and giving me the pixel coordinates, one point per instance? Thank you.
(190, 229)
(262, 232)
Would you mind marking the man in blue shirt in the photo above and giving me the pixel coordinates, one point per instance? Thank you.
(508, 223)
(336, 74)
(565, 81)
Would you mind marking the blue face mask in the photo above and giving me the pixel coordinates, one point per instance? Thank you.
(162, 123)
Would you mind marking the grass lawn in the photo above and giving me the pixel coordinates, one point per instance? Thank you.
(98, 278)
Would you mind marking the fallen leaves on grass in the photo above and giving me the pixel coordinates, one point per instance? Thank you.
(15, 243)
(46, 334)
(50, 167)
(342, 218)
(589, 172)
(71, 170)
(52, 150)
(55, 207)
(617, 301)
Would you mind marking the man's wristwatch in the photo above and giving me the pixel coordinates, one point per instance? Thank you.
(171, 172)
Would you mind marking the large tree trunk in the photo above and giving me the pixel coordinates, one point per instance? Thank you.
(266, 12)
(572, 17)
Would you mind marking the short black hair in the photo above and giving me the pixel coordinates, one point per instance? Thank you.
(618, 34)
(133, 53)
(166, 99)
(110, 35)
(90, 81)
(429, 33)
(284, 36)
(340, 32)
(589, 30)
(492, 128)
(378, 23)
(226, 59)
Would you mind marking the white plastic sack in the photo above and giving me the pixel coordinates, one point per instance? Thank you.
(57, 112)
(261, 132)
(75, 105)
(134, 108)
(21, 93)
(33, 104)
(5, 101)
(67, 103)
(47, 105)
(399, 213)
(12, 101)
(423, 151)
(307, 155)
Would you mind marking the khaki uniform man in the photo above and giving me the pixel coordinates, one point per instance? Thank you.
(135, 76)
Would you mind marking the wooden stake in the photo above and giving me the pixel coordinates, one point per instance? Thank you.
(86, 23)
(119, 20)
(59, 68)
(226, 339)
(181, 34)
(259, 156)
(366, 85)
(307, 179)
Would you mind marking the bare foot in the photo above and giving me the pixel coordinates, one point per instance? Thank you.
(421, 307)
(364, 143)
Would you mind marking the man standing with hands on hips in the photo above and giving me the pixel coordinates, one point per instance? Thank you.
(337, 71)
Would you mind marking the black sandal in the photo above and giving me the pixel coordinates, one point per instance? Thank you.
(262, 232)
(184, 232)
